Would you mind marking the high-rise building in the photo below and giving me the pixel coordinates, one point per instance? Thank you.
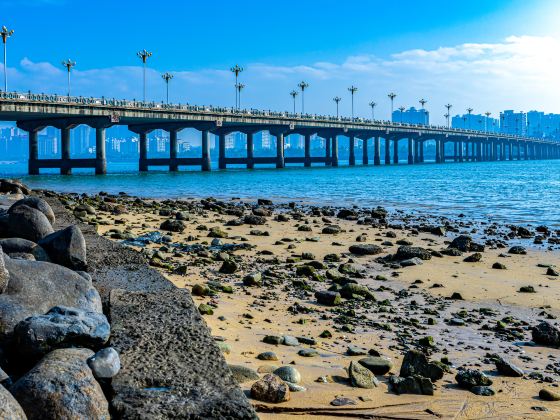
(412, 116)
(475, 122)
(513, 122)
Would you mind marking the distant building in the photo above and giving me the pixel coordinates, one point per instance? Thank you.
(475, 122)
(412, 116)
(541, 125)
(513, 122)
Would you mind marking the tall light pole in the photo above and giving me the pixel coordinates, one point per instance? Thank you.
(236, 70)
(143, 55)
(337, 100)
(167, 77)
(423, 102)
(352, 89)
(487, 113)
(448, 106)
(302, 85)
(373, 105)
(69, 64)
(239, 87)
(6, 33)
(392, 97)
(293, 94)
(402, 108)
(469, 111)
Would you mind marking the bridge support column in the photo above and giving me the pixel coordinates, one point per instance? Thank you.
(351, 151)
(396, 151)
(526, 151)
(494, 151)
(387, 151)
(421, 150)
(478, 151)
(307, 161)
(222, 151)
(455, 151)
(438, 151)
(280, 163)
(250, 151)
(65, 151)
(411, 153)
(365, 157)
(460, 150)
(33, 151)
(334, 151)
(510, 150)
(376, 151)
(503, 150)
(327, 151)
(173, 167)
(100, 156)
(143, 145)
(206, 165)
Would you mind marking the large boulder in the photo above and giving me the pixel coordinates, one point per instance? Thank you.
(28, 223)
(61, 327)
(37, 204)
(4, 275)
(547, 334)
(365, 249)
(270, 389)
(66, 247)
(407, 252)
(415, 384)
(62, 386)
(23, 246)
(465, 243)
(35, 287)
(416, 363)
(9, 407)
(13, 186)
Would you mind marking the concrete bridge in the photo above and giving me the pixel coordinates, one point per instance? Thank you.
(34, 112)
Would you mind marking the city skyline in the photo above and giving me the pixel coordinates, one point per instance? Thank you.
(441, 69)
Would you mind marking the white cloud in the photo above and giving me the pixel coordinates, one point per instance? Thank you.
(517, 73)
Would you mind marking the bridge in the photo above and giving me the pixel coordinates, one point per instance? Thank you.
(34, 112)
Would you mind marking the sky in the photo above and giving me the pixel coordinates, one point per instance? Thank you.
(488, 55)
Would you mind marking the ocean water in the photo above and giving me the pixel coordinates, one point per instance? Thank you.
(521, 192)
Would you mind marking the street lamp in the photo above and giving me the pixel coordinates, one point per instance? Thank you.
(402, 108)
(487, 113)
(337, 100)
(392, 97)
(167, 77)
(352, 89)
(236, 70)
(69, 64)
(469, 110)
(239, 87)
(143, 55)
(6, 33)
(448, 106)
(302, 85)
(423, 102)
(293, 94)
(373, 105)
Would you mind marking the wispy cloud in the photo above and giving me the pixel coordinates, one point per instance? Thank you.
(519, 73)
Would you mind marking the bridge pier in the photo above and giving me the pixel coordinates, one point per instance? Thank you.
(327, 151)
(438, 151)
(387, 150)
(307, 161)
(460, 149)
(334, 150)
(100, 153)
(421, 149)
(410, 151)
(396, 151)
(143, 145)
(280, 162)
(222, 151)
(65, 169)
(351, 151)
(205, 164)
(365, 157)
(173, 167)
(376, 151)
(250, 151)
(33, 150)
(510, 150)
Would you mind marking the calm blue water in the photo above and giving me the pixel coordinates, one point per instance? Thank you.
(524, 192)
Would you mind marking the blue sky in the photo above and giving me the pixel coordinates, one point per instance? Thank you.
(489, 55)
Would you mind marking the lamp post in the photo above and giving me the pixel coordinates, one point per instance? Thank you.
(236, 70)
(69, 64)
(303, 85)
(143, 55)
(293, 94)
(423, 102)
(337, 100)
(469, 111)
(392, 97)
(239, 87)
(6, 33)
(352, 89)
(487, 113)
(373, 105)
(402, 108)
(448, 106)
(167, 77)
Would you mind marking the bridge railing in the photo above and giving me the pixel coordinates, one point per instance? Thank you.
(234, 112)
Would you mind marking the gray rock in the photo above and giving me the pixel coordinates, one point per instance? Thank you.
(105, 363)
(253, 219)
(295, 387)
(505, 367)
(377, 365)
(411, 262)
(66, 247)
(9, 407)
(37, 204)
(61, 386)
(308, 353)
(352, 290)
(267, 355)
(273, 339)
(406, 252)
(414, 384)
(549, 395)
(288, 340)
(61, 327)
(469, 378)
(288, 374)
(28, 223)
(546, 334)
(23, 246)
(356, 351)
(243, 374)
(270, 389)
(329, 298)
(36, 287)
(366, 249)
(171, 225)
(518, 250)
(4, 275)
(465, 243)
(416, 363)
(361, 377)
(484, 391)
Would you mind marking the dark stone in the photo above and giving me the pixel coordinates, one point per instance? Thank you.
(552, 272)
(476, 257)
(36, 203)
(28, 223)
(61, 327)
(61, 386)
(518, 250)
(484, 391)
(505, 367)
(546, 334)
(361, 377)
(498, 266)
(416, 363)
(66, 247)
(549, 395)
(270, 389)
(253, 219)
(415, 384)
(328, 298)
(346, 213)
(406, 252)
(366, 249)
(469, 378)
(229, 267)
(173, 225)
(465, 243)
(331, 230)
(377, 365)
(23, 246)
(352, 290)
(4, 275)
